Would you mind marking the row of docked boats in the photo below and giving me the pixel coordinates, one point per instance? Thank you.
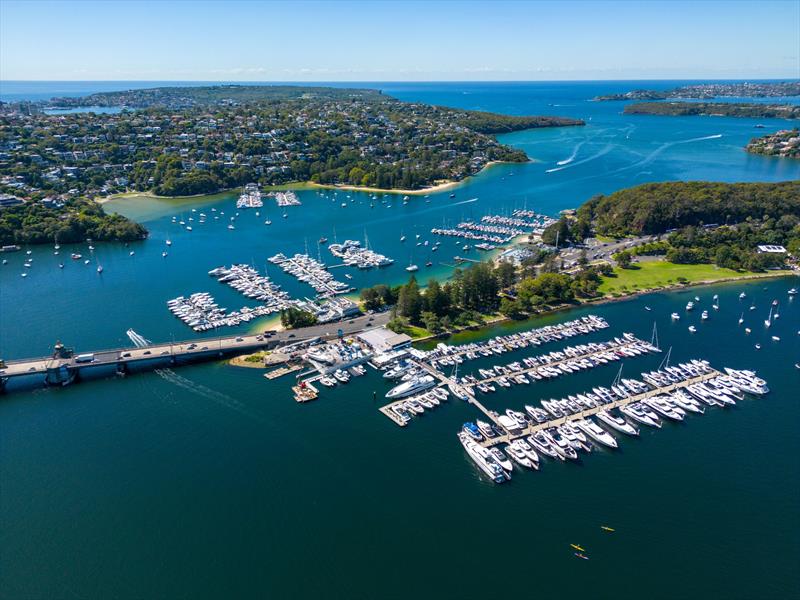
(200, 312)
(560, 431)
(554, 364)
(250, 197)
(521, 219)
(312, 272)
(342, 375)
(249, 282)
(416, 405)
(449, 355)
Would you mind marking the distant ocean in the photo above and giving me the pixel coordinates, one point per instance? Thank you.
(12, 91)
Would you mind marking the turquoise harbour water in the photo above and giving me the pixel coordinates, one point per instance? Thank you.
(212, 482)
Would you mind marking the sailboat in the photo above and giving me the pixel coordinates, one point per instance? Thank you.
(741, 319)
(411, 266)
(99, 266)
(768, 321)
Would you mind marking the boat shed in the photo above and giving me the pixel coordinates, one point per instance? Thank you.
(381, 339)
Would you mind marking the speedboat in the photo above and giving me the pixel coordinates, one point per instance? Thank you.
(692, 329)
(675, 316)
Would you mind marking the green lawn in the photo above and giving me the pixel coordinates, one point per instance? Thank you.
(648, 275)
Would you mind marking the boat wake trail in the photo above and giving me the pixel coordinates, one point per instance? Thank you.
(602, 152)
(572, 156)
(650, 157)
(198, 389)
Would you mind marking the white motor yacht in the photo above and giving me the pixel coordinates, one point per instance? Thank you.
(412, 386)
(485, 461)
(594, 431)
(617, 423)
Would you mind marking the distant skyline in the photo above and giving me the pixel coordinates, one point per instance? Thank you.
(398, 41)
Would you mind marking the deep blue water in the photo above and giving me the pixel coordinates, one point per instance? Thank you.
(212, 482)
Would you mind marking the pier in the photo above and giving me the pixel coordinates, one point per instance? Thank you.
(533, 428)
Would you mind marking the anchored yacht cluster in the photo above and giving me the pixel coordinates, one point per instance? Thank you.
(560, 429)
(312, 272)
(353, 254)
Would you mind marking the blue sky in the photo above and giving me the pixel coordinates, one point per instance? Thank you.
(397, 41)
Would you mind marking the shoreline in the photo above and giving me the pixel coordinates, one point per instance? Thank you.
(608, 299)
(310, 185)
(440, 187)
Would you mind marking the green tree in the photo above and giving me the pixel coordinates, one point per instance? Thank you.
(624, 259)
(409, 302)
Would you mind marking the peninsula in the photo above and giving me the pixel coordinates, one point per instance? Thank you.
(784, 143)
(715, 109)
(180, 141)
(708, 91)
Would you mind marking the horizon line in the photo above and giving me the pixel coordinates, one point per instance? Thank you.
(296, 81)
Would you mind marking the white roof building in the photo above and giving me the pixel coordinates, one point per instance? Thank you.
(381, 339)
(772, 249)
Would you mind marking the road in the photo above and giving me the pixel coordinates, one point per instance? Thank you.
(201, 348)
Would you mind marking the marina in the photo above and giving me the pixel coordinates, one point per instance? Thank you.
(559, 436)
(249, 282)
(354, 255)
(202, 313)
(312, 272)
(283, 199)
(250, 197)
(498, 229)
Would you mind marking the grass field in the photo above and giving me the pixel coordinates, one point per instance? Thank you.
(649, 275)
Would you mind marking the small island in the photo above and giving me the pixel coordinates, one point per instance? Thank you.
(715, 109)
(708, 91)
(784, 144)
(181, 141)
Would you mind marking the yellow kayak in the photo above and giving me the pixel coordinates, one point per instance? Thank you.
(578, 548)
(604, 528)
